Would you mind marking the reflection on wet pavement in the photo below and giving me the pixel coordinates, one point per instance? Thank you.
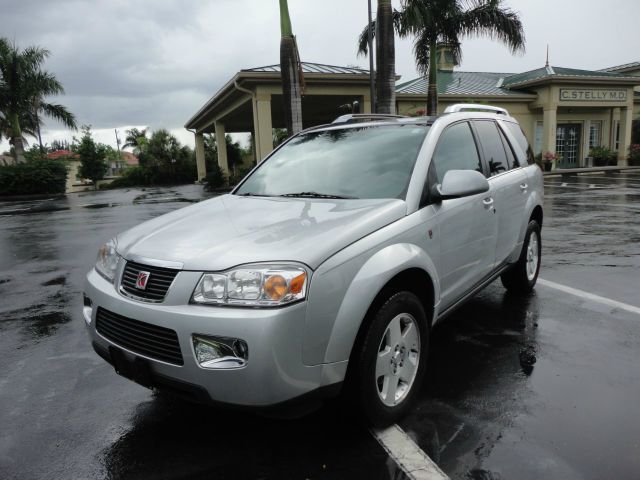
(193, 441)
(518, 388)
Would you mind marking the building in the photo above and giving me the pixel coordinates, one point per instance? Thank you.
(561, 110)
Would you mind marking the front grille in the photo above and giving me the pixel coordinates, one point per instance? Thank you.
(139, 337)
(158, 283)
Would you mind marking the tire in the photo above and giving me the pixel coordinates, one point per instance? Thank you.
(398, 334)
(522, 276)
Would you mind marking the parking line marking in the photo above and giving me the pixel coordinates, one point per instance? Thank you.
(590, 296)
(408, 456)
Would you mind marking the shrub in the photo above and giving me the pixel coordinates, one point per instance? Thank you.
(602, 156)
(215, 178)
(32, 178)
(147, 175)
(239, 173)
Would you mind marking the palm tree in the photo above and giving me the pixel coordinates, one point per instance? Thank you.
(136, 139)
(290, 72)
(448, 21)
(23, 89)
(385, 59)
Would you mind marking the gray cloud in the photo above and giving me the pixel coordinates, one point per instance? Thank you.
(155, 63)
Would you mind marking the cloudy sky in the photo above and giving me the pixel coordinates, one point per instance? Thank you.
(155, 62)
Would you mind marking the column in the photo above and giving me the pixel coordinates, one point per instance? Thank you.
(221, 144)
(626, 120)
(586, 133)
(549, 125)
(263, 126)
(200, 163)
(366, 104)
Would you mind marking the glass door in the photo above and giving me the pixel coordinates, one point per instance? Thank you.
(568, 137)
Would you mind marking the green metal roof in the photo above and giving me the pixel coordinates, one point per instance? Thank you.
(461, 83)
(550, 72)
(626, 66)
(308, 67)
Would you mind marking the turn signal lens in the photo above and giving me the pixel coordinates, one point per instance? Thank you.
(297, 283)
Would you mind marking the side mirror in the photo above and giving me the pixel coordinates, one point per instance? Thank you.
(461, 183)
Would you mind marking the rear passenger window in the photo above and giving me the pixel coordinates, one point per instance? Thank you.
(511, 159)
(456, 150)
(521, 139)
(492, 147)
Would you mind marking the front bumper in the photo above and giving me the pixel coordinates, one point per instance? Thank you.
(274, 372)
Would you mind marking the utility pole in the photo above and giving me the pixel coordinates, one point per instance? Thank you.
(372, 85)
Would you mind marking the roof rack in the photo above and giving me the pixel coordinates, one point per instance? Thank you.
(355, 117)
(475, 107)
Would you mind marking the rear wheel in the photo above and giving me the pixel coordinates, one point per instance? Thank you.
(391, 363)
(523, 275)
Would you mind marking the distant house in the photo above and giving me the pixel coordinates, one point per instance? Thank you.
(74, 182)
(130, 159)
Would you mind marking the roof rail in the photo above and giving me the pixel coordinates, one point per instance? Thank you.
(475, 107)
(354, 117)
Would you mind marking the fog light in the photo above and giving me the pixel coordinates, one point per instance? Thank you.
(87, 309)
(220, 352)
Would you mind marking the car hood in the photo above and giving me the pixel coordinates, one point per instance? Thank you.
(231, 230)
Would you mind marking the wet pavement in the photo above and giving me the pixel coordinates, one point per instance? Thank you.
(518, 388)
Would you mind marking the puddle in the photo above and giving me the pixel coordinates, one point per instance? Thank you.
(102, 205)
(55, 281)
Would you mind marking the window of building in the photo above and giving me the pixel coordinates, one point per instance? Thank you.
(456, 150)
(492, 147)
(616, 135)
(595, 131)
(537, 141)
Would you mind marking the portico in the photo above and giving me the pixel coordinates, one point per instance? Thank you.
(252, 102)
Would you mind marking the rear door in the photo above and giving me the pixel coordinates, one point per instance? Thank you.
(467, 225)
(508, 183)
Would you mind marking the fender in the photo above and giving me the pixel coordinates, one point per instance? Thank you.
(376, 272)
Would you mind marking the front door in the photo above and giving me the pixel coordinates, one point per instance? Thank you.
(568, 137)
(468, 226)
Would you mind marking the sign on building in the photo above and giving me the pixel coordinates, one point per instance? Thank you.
(593, 95)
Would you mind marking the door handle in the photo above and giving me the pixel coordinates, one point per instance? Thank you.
(523, 186)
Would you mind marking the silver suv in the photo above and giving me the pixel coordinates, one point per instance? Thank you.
(327, 267)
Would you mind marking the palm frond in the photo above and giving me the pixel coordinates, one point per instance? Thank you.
(490, 19)
(59, 113)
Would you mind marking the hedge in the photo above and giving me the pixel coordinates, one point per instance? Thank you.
(32, 178)
(148, 176)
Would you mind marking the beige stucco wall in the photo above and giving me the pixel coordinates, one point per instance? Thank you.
(530, 112)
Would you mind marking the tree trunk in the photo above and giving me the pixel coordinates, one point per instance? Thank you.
(385, 59)
(290, 85)
(16, 137)
(290, 73)
(432, 89)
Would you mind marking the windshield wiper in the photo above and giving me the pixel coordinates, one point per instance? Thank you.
(316, 195)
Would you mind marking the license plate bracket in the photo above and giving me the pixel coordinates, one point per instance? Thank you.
(136, 368)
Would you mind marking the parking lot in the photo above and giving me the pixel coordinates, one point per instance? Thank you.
(518, 388)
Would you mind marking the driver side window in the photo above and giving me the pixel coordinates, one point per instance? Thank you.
(456, 150)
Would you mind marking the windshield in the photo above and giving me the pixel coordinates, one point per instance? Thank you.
(362, 162)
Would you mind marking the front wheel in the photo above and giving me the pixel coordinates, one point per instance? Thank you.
(391, 363)
(522, 276)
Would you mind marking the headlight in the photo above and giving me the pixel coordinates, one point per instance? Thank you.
(253, 285)
(107, 260)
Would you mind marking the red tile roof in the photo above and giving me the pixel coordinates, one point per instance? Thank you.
(62, 154)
